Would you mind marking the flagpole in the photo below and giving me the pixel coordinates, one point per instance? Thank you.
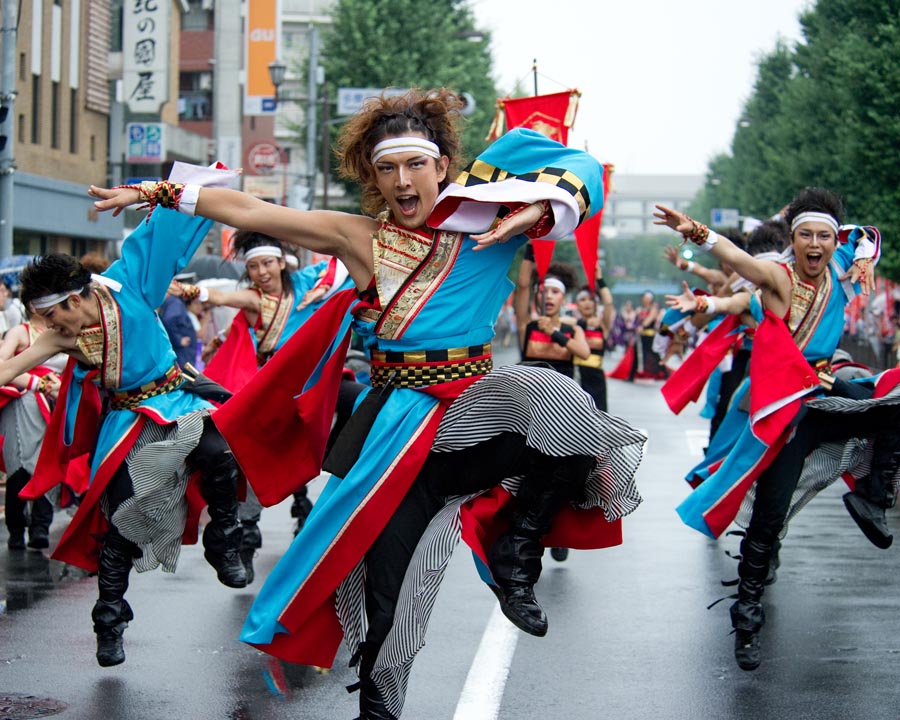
(534, 70)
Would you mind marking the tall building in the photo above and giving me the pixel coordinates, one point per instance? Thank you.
(632, 199)
(60, 117)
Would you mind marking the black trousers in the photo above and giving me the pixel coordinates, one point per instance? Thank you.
(211, 453)
(777, 483)
(466, 471)
(17, 518)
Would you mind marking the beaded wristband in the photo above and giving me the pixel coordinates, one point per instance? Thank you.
(189, 293)
(163, 193)
(544, 224)
(698, 233)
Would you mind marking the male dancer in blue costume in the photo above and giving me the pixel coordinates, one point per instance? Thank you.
(273, 308)
(804, 301)
(427, 305)
(154, 433)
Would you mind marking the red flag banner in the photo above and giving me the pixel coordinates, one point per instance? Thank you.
(551, 115)
(587, 235)
(543, 253)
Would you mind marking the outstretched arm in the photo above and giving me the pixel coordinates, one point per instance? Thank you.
(762, 273)
(322, 231)
(245, 299)
(706, 305)
(713, 278)
(48, 344)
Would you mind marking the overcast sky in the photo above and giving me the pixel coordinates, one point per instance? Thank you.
(663, 81)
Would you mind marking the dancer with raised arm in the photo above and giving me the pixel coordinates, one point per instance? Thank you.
(273, 308)
(431, 275)
(152, 435)
(803, 300)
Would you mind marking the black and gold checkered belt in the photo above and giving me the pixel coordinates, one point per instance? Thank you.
(130, 399)
(429, 367)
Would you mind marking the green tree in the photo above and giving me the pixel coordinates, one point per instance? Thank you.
(408, 43)
(826, 113)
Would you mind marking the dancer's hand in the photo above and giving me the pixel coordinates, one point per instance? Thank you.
(545, 325)
(115, 199)
(51, 389)
(861, 270)
(686, 302)
(516, 223)
(673, 256)
(679, 222)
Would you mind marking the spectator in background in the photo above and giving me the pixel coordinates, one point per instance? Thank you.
(11, 311)
(645, 363)
(177, 321)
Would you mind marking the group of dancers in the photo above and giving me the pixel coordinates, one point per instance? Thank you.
(439, 445)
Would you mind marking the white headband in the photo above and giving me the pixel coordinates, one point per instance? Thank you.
(405, 144)
(584, 294)
(554, 283)
(54, 299)
(46, 301)
(267, 250)
(805, 217)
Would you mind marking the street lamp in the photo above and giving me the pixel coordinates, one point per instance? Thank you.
(277, 72)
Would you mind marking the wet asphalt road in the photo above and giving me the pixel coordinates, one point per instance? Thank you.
(630, 635)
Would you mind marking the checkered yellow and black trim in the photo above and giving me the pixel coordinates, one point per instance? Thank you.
(480, 172)
(168, 194)
(429, 367)
(130, 399)
(429, 356)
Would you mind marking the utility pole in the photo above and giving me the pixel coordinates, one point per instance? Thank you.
(7, 125)
(312, 100)
(227, 105)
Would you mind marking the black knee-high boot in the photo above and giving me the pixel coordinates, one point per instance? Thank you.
(747, 614)
(371, 703)
(875, 492)
(222, 536)
(515, 558)
(112, 613)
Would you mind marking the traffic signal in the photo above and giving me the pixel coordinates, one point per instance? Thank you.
(4, 112)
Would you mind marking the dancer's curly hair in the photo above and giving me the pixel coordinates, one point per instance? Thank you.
(51, 274)
(434, 114)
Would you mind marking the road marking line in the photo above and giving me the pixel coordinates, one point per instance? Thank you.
(483, 691)
(697, 440)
